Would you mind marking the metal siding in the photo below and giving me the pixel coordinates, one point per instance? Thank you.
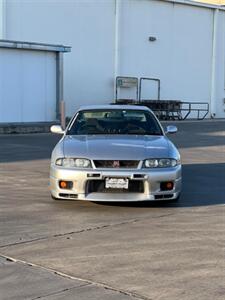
(88, 27)
(181, 57)
(28, 86)
(138, 56)
(11, 79)
(193, 52)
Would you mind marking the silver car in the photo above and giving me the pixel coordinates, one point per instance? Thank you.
(115, 153)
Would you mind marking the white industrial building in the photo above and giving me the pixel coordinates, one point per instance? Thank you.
(180, 42)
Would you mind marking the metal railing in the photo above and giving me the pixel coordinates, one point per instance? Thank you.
(173, 109)
(164, 109)
(149, 79)
(190, 107)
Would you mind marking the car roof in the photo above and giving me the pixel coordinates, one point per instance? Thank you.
(110, 106)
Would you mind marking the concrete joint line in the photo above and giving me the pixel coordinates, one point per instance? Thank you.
(85, 281)
(60, 292)
(68, 233)
(24, 242)
(83, 230)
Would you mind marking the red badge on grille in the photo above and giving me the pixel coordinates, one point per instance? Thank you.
(116, 164)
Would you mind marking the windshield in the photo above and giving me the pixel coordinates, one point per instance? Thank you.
(114, 121)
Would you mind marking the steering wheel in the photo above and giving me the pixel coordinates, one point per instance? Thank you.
(84, 128)
(133, 127)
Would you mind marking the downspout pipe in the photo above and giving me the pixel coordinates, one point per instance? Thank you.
(2, 19)
(116, 46)
(214, 60)
(60, 103)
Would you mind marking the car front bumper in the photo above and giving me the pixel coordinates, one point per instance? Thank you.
(150, 179)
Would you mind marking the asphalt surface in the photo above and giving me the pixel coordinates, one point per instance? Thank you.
(81, 250)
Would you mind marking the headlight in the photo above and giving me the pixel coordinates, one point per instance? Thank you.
(73, 162)
(161, 163)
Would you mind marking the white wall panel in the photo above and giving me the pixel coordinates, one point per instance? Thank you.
(10, 88)
(181, 57)
(87, 26)
(192, 59)
(27, 86)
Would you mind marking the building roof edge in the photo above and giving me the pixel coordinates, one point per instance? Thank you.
(33, 46)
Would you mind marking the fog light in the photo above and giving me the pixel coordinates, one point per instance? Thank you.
(65, 184)
(166, 186)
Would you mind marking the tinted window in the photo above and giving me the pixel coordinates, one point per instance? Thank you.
(115, 122)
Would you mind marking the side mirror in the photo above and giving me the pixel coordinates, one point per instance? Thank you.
(57, 129)
(171, 129)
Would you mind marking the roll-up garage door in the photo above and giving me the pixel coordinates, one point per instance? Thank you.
(27, 85)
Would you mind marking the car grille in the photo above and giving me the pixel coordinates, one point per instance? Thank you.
(98, 186)
(116, 164)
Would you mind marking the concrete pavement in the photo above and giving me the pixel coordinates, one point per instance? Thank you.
(81, 250)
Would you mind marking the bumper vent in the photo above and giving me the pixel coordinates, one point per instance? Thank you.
(71, 196)
(161, 197)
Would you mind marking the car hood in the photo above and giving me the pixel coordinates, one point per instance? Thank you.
(116, 147)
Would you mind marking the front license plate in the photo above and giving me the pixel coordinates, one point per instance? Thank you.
(116, 183)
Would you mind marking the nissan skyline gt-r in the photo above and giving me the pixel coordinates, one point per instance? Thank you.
(115, 153)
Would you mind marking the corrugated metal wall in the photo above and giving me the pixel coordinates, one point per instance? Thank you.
(181, 56)
(27, 85)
